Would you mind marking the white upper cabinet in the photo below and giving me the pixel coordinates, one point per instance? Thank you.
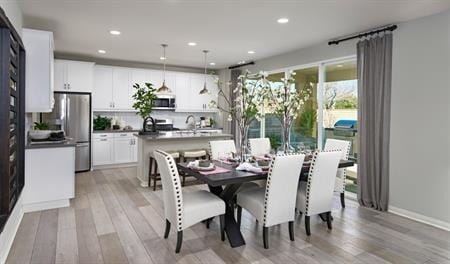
(73, 76)
(113, 88)
(39, 70)
(122, 89)
(102, 98)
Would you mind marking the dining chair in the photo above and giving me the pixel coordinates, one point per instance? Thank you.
(221, 146)
(316, 195)
(259, 146)
(275, 203)
(344, 146)
(185, 209)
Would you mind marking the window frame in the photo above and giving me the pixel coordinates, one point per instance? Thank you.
(320, 90)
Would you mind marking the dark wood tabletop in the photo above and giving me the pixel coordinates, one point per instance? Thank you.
(234, 176)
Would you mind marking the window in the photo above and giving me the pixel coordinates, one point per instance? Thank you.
(272, 125)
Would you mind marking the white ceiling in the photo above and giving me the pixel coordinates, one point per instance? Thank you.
(229, 28)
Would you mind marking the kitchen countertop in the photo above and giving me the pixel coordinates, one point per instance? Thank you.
(116, 131)
(65, 144)
(178, 136)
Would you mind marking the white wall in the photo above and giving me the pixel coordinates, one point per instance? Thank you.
(420, 133)
(14, 14)
(420, 122)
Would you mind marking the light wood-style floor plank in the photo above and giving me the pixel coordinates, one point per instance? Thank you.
(44, 250)
(115, 220)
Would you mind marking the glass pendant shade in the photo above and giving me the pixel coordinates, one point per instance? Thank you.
(164, 89)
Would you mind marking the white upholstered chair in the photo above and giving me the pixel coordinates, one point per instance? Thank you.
(344, 146)
(221, 147)
(185, 209)
(275, 203)
(259, 146)
(316, 195)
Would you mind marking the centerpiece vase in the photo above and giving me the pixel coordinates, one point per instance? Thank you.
(244, 151)
(286, 135)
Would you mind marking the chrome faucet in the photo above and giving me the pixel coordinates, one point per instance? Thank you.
(195, 122)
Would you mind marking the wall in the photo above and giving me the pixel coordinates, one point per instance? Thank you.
(420, 123)
(419, 148)
(14, 14)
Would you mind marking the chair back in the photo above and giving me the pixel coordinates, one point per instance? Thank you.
(321, 178)
(259, 146)
(344, 146)
(281, 189)
(222, 147)
(171, 187)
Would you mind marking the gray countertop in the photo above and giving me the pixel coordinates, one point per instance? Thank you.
(65, 144)
(182, 136)
(116, 131)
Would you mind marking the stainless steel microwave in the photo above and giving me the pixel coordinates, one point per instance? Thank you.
(164, 102)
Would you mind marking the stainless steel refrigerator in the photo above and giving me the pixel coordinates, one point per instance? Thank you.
(72, 114)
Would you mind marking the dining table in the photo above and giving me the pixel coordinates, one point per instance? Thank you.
(226, 183)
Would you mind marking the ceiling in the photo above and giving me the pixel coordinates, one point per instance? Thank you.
(228, 28)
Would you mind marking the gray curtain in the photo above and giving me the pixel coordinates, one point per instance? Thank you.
(234, 80)
(374, 62)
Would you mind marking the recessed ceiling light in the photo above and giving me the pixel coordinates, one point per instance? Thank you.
(192, 44)
(162, 58)
(283, 20)
(241, 62)
(114, 32)
(102, 51)
(251, 52)
(212, 63)
(339, 65)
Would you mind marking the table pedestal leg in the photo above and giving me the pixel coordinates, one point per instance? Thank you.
(234, 234)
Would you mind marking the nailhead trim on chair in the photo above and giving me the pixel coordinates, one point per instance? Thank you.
(269, 177)
(177, 186)
(311, 170)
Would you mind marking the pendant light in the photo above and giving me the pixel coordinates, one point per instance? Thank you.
(205, 90)
(164, 89)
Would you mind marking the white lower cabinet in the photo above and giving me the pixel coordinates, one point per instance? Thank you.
(114, 148)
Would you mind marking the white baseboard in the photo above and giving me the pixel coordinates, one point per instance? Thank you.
(9, 231)
(46, 205)
(420, 218)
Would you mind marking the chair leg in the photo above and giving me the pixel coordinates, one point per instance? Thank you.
(329, 220)
(179, 241)
(307, 227)
(166, 233)
(342, 200)
(291, 230)
(155, 176)
(266, 237)
(222, 227)
(239, 216)
(150, 165)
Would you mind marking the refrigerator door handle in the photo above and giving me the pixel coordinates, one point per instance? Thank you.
(68, 114)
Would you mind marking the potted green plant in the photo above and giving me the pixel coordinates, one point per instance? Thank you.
(102, 122)
(144, 98)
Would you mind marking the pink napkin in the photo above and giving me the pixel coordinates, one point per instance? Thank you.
(217, 170)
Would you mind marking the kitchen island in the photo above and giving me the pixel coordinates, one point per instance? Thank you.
(171, 141)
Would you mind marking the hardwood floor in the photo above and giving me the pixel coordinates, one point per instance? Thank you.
(114, 220)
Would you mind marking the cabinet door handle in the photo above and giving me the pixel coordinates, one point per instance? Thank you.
(123, 135)
(104, 139)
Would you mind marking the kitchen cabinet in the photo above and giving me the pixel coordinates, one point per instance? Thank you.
(188, 89)
(124, 148)
(103, 149)
(46, 167)
(121, 89)
(39, 70)
(114, 148)
(102, 92)
(73, 76)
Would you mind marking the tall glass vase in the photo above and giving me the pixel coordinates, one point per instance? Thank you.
(286, 135)
(244, 151)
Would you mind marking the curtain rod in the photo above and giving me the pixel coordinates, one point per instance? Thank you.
(241, 65)
(363, 34)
